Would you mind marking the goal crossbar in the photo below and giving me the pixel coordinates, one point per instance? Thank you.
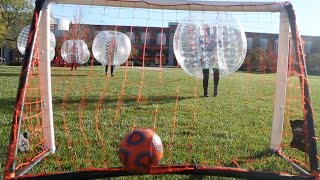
(185, 5)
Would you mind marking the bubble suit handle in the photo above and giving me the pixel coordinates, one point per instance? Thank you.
(111, 47)
(23, 38)
(210, 42)
(75, 51)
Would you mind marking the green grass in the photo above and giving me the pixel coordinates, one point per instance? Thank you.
(235, 125)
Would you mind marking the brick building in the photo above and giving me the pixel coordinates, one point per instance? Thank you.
(149, 38)
(150, 44)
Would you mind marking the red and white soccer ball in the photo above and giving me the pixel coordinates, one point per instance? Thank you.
(140, 150)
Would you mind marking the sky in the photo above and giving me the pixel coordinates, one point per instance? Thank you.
(307, 11)
(308, 16)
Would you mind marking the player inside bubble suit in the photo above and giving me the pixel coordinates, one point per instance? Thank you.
(209, 57)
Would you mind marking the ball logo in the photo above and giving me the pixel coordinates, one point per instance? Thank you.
(156, 141)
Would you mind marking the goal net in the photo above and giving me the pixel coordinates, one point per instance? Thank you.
(71, 113)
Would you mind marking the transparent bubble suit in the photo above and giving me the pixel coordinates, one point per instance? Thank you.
(23, 38)
(217, 41)
(75, 51)
(111, 48)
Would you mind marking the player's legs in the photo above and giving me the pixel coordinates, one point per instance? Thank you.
(216, 77)
(112, 69)
(205, 81)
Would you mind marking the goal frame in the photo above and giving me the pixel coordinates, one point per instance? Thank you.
(286, 25)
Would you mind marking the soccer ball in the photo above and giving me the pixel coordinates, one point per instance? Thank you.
(140, 150)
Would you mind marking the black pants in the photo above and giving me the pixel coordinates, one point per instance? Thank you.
(216, 77)
(112, 69)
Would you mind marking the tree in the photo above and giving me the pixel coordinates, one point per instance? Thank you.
(313, 64)
(77, 31)
(2, 28)
(257, 60)
(14, 16)
(134, 53)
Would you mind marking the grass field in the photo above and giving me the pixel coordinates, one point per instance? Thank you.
(92, 113)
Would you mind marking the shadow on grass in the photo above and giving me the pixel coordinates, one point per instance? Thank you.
(262, 154)
(7, 104)
(70, 75)
(128, 101)
(9, 74)
(256, 156)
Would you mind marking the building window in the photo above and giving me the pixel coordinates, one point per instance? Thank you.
(131, 36)
(164, 39)
(143, 36)
(264, 44)
(276, 44)
(307, 46)
(163, 59)
(249, 43)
